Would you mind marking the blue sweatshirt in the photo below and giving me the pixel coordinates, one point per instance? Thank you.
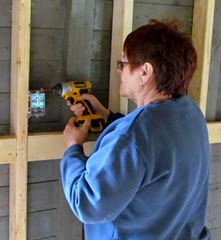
(147, 176)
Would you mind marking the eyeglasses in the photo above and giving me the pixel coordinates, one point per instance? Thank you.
(120, 64)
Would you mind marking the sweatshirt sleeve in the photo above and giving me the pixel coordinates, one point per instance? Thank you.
(99, 189)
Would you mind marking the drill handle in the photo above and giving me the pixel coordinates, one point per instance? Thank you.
(88, 107)
(71, 99)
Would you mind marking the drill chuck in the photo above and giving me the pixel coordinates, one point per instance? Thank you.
(61, 89)
(57, 89)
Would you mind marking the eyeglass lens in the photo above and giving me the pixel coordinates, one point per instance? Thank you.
(120, 65)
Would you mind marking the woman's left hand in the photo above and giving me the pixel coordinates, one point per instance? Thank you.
(75, 135)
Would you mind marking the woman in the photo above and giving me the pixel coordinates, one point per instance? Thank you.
(147, 176)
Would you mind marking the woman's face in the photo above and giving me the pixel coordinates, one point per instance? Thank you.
(129, 81)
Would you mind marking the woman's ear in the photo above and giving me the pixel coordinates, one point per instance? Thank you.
(147, 73)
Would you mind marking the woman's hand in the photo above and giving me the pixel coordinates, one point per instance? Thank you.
(78, 108)
(76, 135)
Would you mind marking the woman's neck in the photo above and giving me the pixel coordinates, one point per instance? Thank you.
(145, 97)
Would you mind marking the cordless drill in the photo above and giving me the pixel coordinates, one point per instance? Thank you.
(71, 91)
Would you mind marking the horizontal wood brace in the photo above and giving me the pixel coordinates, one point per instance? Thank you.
(50, 146)
(8, 149)
(214, 129)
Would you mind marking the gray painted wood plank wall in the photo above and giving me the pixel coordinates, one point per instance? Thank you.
(42, 199)
(214, 95)
(167, 2)
(40, 225)
(46, 56)
(213, 113)
(5, 48)
(48, 66)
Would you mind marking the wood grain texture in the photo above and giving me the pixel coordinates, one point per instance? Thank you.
(40, 225)
(218, 106)
(103, 14)
(48, 14)
(5, 76)
(101, 45)
(144, 12)
(47, 44)
(4, 130)
(18, 117)
(43, 171)
(100, 75)
(44, 74)
(215, 233)
(168, 2)
(41, 196)
(45, 127)
(202, 40)
(4, 175)
(121, 27)
(4, 108)
(215, 95)
(5, 43)
(41, 149)
(39, 171)
(8, 149)
(214, 199)
(213, 217)
(214, 129)
(78, 39)
(5, 13)
(215, 68)
(68, 226)
(215, 176)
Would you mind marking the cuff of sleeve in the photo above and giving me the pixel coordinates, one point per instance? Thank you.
(74, 148)
(111, 118)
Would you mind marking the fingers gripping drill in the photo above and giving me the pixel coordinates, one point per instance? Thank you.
(71, 91)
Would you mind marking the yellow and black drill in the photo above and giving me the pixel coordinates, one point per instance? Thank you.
(71, 91)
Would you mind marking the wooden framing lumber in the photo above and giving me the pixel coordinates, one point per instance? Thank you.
(45, 146)
(122, 25)
(214, 129)
(41, 146)
(21, 15)
(202, 39)
(40, 149)
(49, 146)
(8, 149)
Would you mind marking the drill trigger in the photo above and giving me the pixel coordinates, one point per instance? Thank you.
(71, 99)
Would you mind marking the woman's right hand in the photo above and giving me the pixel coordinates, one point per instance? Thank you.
(78, 108)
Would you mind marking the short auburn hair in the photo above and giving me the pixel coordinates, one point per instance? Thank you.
(169, 50)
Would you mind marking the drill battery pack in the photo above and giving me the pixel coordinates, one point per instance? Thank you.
(97, 123)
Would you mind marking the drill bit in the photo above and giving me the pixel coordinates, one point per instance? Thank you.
(47, 90)
(42, 90)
